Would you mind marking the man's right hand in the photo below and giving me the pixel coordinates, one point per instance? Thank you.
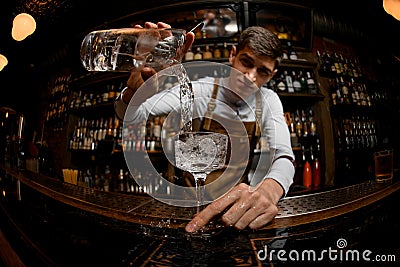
(137, 78)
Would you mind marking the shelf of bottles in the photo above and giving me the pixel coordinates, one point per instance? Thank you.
(207, 50)
(95, 98)
(144, 136)
(108, 136)
(295, 77)
(294, 81)
(59, 91)
(109, 179)
(353, 101)
(92, 133)
(306, 146)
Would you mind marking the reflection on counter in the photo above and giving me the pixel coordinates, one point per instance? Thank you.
(72, 225)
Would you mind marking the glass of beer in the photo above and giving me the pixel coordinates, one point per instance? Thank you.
(383, 165)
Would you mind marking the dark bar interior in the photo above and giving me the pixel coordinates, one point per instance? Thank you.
(76, 188)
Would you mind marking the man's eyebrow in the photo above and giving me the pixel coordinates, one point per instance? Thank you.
(246, 56)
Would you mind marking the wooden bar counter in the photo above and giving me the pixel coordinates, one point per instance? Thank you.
(51, 223)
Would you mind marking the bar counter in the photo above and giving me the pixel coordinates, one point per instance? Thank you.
(64, 225)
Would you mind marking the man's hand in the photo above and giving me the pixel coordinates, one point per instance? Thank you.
(137, 78)
(248, 207)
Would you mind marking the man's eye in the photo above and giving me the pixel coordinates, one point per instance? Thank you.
(264, 72)
(246, 62)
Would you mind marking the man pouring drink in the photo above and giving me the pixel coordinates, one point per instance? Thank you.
(225, 104)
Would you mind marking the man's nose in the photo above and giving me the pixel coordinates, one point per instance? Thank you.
(251, 74)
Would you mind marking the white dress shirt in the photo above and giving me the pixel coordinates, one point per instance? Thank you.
(274, 127)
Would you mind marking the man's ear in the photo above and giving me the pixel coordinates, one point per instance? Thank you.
(232, 55)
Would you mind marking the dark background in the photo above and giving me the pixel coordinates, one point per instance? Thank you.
(62, 22)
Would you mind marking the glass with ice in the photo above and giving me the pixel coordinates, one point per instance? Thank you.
(200, 153)
(121, 50)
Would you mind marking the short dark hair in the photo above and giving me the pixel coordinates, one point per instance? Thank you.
(262, 42)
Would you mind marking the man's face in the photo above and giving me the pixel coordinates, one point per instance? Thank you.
(253, 71)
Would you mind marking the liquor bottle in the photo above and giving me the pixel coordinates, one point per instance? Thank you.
(336, 61)
(198, 55)
(345, 91)
(225, 51)
(316, 172)
(296, 82)
(307, 172)
(216, 52)
(121, 181)
(323, 67)
(280, 83)
(303, 81)
(107, 179)
(305, 138)
(272, 85)
(353, 69)
(285, 54)
(289, 81)
(299, 125)
(341, 63)
(347, 67)
(332, 90)
(327, 65)
(157, 133)
(339, 93)
(189, 56)
(314, 137)
(293, 136)
(291, 53)
(312, 88)
(207, 53)
(332, 65)
(78, 100)
(105, 94)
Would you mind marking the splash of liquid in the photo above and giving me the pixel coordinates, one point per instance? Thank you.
(186, 98)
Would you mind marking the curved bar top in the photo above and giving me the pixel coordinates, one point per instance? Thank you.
(144, 210)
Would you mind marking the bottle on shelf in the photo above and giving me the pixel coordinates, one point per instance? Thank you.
(111, 93)
(316, 171)
(198, 55)
(217, 52)
(189, 56)
(312, 88)
(207, 54)
(280, 83)
(296, 82)
(345, 91)
(307, 172)
(291, 52)
(299, 125)
(289, 81)
(337, 64)
(225, 52)
(121, 181)
(303, 81)
(293, 136)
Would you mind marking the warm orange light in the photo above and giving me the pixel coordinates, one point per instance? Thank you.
(3, 62)
(392, 7)
(23, 26)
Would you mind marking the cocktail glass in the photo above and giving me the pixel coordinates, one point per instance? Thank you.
(200, 153)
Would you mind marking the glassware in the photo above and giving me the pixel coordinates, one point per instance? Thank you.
(122, 49)
(200, 153)
(383, 165)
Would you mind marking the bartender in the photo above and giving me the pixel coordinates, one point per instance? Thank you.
(245, 100)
